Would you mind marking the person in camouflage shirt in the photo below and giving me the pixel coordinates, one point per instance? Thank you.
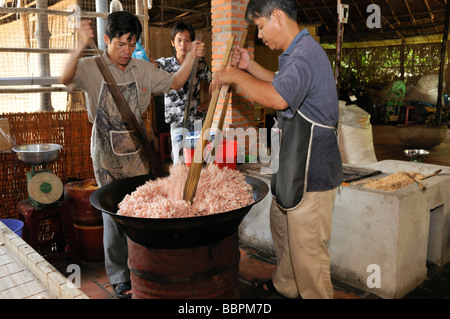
(182, 34)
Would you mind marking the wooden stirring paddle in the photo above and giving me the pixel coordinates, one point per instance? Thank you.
(225, 104)
(190, 187)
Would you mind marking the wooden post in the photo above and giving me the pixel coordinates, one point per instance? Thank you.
(139, 6)
(24, 18)
(402, 60)
(146, 32)
(43, 40)
(442, 67)
(101, 6)
(339, 39)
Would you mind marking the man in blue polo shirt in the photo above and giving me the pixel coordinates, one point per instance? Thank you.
(304, 94)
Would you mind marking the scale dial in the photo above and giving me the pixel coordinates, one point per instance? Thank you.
(45, 188)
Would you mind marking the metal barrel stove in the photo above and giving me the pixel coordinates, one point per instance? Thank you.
(203, 272)
(180, 258)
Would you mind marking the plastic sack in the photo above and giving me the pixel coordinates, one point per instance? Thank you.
(426, 90)
(355, 135)
(6, 141)
(139, 52)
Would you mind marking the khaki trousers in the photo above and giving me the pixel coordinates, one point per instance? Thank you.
(300, 237)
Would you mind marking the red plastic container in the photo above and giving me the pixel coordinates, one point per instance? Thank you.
(226, 154)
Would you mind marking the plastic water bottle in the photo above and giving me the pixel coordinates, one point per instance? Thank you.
(115, 5)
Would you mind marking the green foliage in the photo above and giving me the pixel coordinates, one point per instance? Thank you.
(382, 64)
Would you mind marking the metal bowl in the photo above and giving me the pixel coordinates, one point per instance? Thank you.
(417, 154)
(34, 154)
(172, 232)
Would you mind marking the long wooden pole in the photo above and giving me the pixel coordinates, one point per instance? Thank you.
(227, 96)
(84, 14)
(190, 187)
(43, 41)
(146, 33)
(339, 39)
(438, 120)
(223, 112)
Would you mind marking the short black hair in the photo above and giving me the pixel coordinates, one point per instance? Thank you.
(264, 9)
(119, 23)
(181, 27)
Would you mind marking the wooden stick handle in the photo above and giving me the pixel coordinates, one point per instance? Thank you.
(228, 94)
(190, 187)
(223, 112)
(191, 86)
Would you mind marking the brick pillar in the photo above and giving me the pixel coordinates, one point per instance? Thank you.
(227, 19)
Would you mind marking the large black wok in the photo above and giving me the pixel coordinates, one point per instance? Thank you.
(172, 232)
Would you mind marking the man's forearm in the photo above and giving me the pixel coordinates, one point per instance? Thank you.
(258, 90)
(260, 72)
(71, 66)
(182, 75)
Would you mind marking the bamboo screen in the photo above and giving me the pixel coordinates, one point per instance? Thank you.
(36, 45)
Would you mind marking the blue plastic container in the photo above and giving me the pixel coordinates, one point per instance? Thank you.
(15, 225)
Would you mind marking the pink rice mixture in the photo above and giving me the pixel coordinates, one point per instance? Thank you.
(218, 190)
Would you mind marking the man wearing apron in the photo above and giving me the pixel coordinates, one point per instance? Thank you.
(116, 154)
(304, 94)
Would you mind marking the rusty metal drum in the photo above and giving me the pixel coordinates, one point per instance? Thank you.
(78, 194)
(204, 272)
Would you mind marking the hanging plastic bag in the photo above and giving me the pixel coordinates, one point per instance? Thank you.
(139, 52)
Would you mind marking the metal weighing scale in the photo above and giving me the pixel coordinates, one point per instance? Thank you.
(417, 155)
(44, 187)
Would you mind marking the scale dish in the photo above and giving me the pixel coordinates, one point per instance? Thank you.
(34, 154)
(417, 154)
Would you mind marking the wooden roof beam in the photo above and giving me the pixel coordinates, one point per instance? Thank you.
(320, 17)
(359, 11)
(411, 16)
(303, 10)
(335, 16)
(181, 9)
(385, 21)
(429, 10)
(361, 15)
(392, 12)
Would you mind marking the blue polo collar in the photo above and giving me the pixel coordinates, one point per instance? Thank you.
(294, 42)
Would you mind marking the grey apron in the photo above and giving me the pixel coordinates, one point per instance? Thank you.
(116, 154)
(290, 181)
